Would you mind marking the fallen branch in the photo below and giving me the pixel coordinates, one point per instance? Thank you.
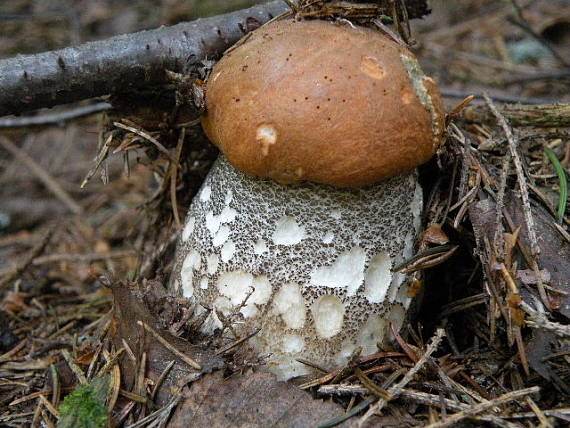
(482, 407)
(29, 82)
(546, 115)
(130, 61)
(58, 118)
(397, 389)
(44, 176)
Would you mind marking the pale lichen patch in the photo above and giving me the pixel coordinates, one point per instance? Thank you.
(416, 206)
(228, 251)
(336, 214)
(213, 222)
(346, 350)
(221, 235)
(188, 228)
(289, 303)
(261, 290)
(378, 277)
(328, 315)
(205, 194)
(346, 271)
(328, 237)
(192, 262)
(212, 262)
(288, 232)
(229, 197)
(260, 247)
(292, 343)
(224, 305)
(371, 333)
(235, 285)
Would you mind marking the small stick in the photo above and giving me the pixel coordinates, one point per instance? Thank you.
(111, 361)
(160, 413)
(417, 396)
(540, 321)
(499, 238)
(171, 348)
(74, 367)
(237, 342)
(479, 408)
(453, 93)
(161, 379)
(48, 181)
(56, 388)
(397, 389)
(8, 355)
(49, 406)
(36, 251)
(539, 413)
(534, 247)
(54, 118)
(147, 137)
(174, 176)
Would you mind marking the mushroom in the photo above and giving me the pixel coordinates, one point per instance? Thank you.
(315, 196)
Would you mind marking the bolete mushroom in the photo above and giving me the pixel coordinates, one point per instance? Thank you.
(315, 196)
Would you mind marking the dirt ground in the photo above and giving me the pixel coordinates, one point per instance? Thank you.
(503, 308)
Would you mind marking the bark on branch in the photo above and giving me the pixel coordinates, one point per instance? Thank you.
(128, 61)
(98, 68)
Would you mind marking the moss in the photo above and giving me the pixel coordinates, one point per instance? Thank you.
(85, 406)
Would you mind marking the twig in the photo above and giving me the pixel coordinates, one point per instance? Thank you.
(539, 413)
(550, 412)
(168, 346)
(161, 378)
(111, 361)
(237, 342)
(534, 247)
(74, 367)
(36, 251)
(8, 355)
(174, 176)
(563, 183)
(160, 413)
(453, 93)
(499, 238)
(85, 258)
(94, 69)
(58, 118)
(49, 406)
(52, 185)
(554, 115)
(396, 390)
(147, 137)
(479, 408)
(540, 321)
(419, 396)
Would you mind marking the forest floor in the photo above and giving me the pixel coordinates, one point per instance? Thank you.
(490, 345)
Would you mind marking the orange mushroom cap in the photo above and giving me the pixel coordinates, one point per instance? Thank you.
(323, 102)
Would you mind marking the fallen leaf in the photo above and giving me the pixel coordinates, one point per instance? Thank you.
(250, 400)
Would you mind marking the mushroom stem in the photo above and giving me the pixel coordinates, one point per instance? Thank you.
(308, 263)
